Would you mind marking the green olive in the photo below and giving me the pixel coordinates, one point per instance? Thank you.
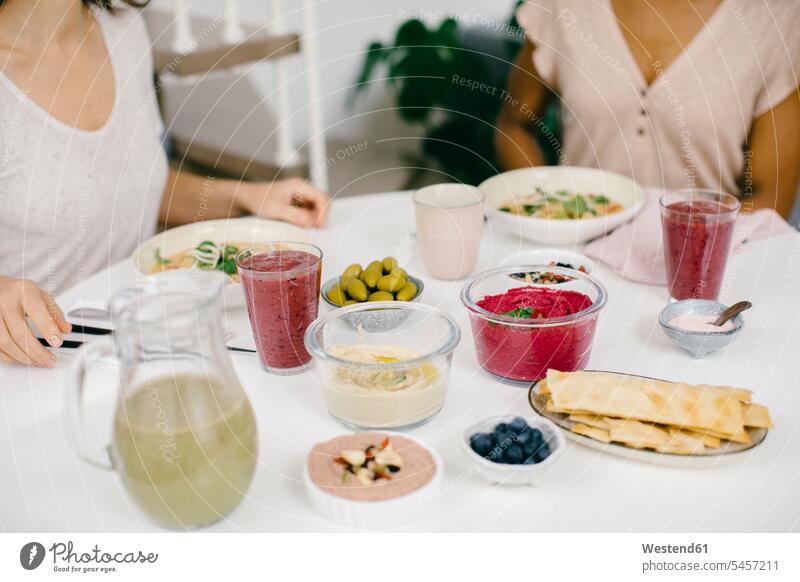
(357, 290)
(370, 277)
(375, 265)
(337, 295)
(408, 292)
(381, 296)
(349, 302)
(353, 270)
(399, 271)
(391, 283)
(389, 263)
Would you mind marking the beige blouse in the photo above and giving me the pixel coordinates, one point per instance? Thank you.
(689, 127)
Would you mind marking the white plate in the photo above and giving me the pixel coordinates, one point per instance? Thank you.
(727, 452)
(545, 256)
(249, 230)
(499, 189)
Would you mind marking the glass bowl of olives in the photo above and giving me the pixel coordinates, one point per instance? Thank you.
(379, 281)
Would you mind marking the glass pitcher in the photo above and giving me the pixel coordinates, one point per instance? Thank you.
(184, 434)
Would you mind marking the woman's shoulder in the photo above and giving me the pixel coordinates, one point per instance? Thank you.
(762, 18)
(124, 25)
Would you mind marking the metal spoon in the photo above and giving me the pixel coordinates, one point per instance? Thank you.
(731, 312)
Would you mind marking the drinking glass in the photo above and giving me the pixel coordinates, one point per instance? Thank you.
(281, 286)
(449, 227)
(698, 227)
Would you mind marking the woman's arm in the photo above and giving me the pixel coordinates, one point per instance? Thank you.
(525, 102)
(189, 198)
(772, 163)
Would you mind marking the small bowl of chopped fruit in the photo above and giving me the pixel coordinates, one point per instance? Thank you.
(513, 450)
(551, 257)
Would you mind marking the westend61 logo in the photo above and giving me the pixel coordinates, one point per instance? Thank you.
(66, 559)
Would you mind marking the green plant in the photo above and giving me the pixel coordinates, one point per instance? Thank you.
(448, 89)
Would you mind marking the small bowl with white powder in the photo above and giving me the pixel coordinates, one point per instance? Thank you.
(688, 324)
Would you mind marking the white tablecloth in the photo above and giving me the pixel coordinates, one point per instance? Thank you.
(44, 487)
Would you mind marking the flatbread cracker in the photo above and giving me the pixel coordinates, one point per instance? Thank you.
(637, 433)
(597, 434)
(756, 416)
(711, 442)
(590, 420)
(683, 443)
(705, 408)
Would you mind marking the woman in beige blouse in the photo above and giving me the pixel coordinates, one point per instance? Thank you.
(675, 93)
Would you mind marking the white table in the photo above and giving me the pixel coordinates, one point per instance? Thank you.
(43, 486)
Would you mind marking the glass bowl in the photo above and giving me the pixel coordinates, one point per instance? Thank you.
(384, 378)
(522, 349)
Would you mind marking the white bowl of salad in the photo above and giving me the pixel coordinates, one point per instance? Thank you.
(561, 205)
(213, 245)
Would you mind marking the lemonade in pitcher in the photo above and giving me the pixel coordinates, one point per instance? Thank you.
(186, 458)
(184, 438)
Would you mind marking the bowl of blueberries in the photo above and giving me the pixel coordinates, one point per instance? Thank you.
(512, 450)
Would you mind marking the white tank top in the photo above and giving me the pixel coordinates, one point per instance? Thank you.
(74, 201)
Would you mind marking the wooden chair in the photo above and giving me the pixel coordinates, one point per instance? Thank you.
(195, 55)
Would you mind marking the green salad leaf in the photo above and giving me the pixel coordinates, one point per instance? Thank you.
(525, 312)
(159, 258)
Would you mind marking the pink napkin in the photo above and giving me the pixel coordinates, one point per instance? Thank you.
(634, 250)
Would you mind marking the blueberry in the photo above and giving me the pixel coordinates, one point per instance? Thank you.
(536, 436)
(525, 436)
(529, 461)
(496, 455)
(502, 431)
(518, 425)
(542, 453)
(513, 455)
(529, 449)
(481, 443)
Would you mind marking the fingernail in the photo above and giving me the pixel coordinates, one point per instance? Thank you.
(54, 341)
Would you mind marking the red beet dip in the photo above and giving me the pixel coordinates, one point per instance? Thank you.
(525, 351)
(282, 291)
(697, 238)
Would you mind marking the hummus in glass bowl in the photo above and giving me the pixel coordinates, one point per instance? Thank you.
(384, 378)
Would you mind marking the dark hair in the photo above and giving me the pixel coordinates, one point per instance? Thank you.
(108, 4)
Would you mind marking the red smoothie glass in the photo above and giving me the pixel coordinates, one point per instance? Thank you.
(281, 287)
(698, 227)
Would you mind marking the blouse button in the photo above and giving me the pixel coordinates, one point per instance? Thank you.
(640, 131)
(643, 111)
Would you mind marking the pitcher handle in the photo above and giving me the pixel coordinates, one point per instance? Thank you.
(86, 446)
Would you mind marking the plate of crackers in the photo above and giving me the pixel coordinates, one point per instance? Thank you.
(651, 420)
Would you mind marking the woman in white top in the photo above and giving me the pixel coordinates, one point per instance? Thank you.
(675, 93)
(83, 175)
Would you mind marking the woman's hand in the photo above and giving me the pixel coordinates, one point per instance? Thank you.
(294, 200)
(20, 298)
